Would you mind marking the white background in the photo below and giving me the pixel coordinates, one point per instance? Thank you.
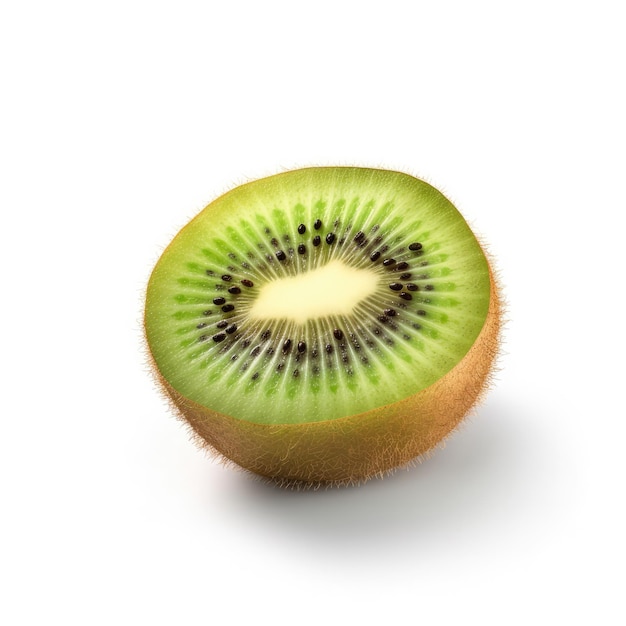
(120, 120)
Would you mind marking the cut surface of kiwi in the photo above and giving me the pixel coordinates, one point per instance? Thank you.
(325, 324)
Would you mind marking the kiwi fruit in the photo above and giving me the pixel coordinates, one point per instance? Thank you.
(324, 325)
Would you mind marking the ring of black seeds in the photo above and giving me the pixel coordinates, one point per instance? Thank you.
(385, 318)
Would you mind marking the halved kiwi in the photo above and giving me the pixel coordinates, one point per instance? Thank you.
(324, 325)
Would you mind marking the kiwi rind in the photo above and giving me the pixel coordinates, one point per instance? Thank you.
(351, 449)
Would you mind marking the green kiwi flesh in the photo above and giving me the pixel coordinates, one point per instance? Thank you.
(325, 324)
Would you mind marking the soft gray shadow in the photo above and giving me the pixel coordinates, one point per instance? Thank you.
(479, 474)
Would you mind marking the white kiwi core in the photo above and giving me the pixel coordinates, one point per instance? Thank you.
(334, 289)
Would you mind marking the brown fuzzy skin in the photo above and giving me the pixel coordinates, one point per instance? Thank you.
(352, 449)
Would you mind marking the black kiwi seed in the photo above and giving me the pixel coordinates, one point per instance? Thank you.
(415, 246)
(222, 324)
(402, 266)
(329, 348)
(301, 346)
(231, 329)
(317, 240)
(219, 337)
(274, 242)
(429, 287)
(219, 301)
(210, 273)
(395, 286)
(255, 351)
(281, 256)
(375, 256)
(255, 375)
(234, 290)
(227, 277)
(338, 334)
(389, 262)
(421, 312)
(359, 236)
(390, 312)
(287, 346)
(247, 283)
(296, 373)
(266, 334)
(330, 238)
(302, 229)
(412, 287)
(227, 308)
(301, 249)
(406, 296)
(405, 276)
(317, 224)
